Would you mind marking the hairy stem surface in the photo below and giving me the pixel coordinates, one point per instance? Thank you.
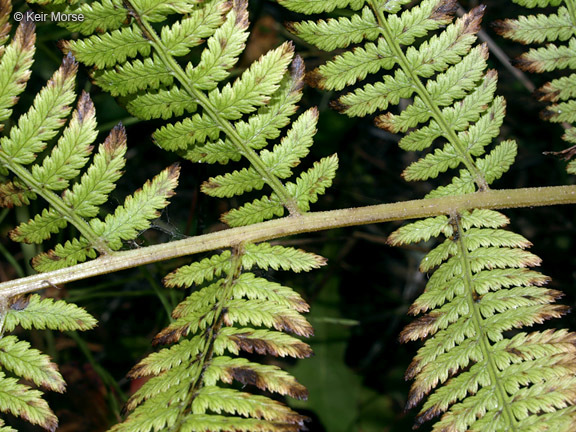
(314, 221)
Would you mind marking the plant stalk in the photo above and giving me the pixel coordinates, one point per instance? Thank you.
(292, 225)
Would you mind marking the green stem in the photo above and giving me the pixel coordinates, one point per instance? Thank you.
(421, 90)
(245, 150)
(309, 222)
(483, 340)
(225, 294)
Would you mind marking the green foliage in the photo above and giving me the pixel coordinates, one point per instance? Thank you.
(211, 322)
(19, 361)
(221, 122)
(80, 203)
(557, 30)
(40, 157)
(174, 62)
(481, 286)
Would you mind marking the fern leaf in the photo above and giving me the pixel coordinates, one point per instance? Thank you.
(549, 58)
(482, 285)
(538, 28)
(40, 228)
(265, 377)
(21, 401)
(161, 104)
(64, 255)
(559, 53)
(264, 342)
(338, 33)
(266, 256)
(135, 215)
(258, 129)
(105, 15)
(314, 182)
(79, 204)
(279, 161)
(184, 134)
(537, 3)
(35, 312)
(135, 76)
(15, 66)
(41, 123)
(253, 212)
(4, 428)
(248, 112)
(15, 194)
(71, 153)
(226, 317)
(189, 32)
(317, 6)
(252, 287)
(265, 90)
(253, 87)
(100, 178)
(17, 357)
(264, 313)
(216, 399)
(198, 272)
(110, 48)
(222, 50)
(233, 311)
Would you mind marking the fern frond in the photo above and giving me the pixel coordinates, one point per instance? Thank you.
(22, 401)
(215, 121)
(215, 316)
(15, 64)
(482, 285)
(223, 121)
(17, 357)
(20, 360)
(559, 54)
(36, 312)
(79, 203)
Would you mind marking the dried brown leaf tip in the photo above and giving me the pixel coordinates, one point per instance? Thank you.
(445, 11)
(316, 79)
(14, 194)
(241, 9)
(115, 141)
(46, 256)
(67, 70)
(565, 154)
(25, 36)
(548, 93)
(527, 64)
(5, 9)
(248, 342)
(249, 376)
(473, 20)
(171, 334)
(420, 328)
(506, 28)
(297, 69)
(84, 108)
(297, 325)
